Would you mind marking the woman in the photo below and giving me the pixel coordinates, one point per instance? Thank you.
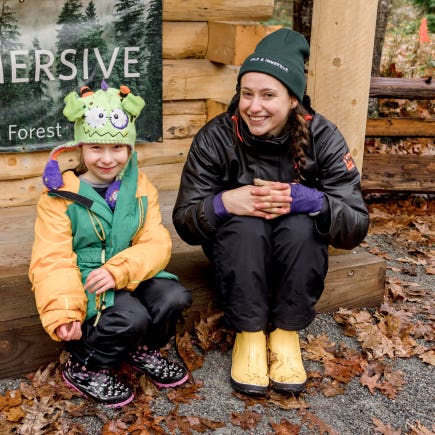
(99, 253)
(266, 187)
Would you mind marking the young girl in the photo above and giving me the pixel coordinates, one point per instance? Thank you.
(99, 253)
(265, 188)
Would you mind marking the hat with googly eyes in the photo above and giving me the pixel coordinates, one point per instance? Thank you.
(106, 116)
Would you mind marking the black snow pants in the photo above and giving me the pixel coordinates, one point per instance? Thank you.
(146, 316)
(270, 273)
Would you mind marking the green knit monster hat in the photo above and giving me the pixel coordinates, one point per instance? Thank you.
(106, 116)
(282, 55)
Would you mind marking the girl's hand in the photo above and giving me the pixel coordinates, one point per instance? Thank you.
(99, 280)
(272, 197)
(69, 331)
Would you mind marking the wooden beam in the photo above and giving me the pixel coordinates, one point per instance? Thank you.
(17, 166)
(398, 172)
(191, 79)
(354, 280)
(164, 172)
(217, 10)
(381, 172)
(164, 177)
(215, 108)
(230, 43)
(25, 346)
(182, 40)
(182, 126)
(405, 127)
(393, 87)
(342, 38)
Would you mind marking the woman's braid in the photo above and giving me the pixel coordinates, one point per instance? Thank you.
(300, 137)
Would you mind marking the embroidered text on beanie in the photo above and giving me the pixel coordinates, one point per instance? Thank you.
(282, 55)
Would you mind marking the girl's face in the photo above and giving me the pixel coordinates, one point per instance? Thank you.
(265, 104)
(104, 161)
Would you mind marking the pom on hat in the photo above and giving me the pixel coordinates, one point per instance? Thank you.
(52, 178)
(282, 55)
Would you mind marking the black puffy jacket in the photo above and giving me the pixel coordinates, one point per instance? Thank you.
(217, 162)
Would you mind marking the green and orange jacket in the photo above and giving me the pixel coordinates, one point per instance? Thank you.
(76, 232)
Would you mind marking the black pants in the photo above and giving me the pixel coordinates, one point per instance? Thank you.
(146, 316)
(270, 273)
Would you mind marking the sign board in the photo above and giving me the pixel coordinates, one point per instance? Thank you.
(49, 48)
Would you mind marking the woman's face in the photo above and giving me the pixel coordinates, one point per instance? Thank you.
(104, 161)
(265, 104)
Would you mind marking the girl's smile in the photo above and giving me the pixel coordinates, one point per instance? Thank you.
(104, 161)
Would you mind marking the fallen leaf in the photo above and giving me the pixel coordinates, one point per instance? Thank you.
(247, 420)
(384, 429)
(317, 423)
(191, 359)
(377, 376)
(284, 427)
(287, 401)
(186, 393)
(428, 357)
(12, 398)
(333, 388)
(318, 348)
(202, 425)
(419, 429)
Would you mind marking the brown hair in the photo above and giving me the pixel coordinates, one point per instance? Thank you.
(298, 123)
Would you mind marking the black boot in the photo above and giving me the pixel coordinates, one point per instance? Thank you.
(162, 371)
(99, 384)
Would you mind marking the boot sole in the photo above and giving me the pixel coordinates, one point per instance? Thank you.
(288, 388)
(174, 384)
(249, 389)
(108, 405)
(184, 379)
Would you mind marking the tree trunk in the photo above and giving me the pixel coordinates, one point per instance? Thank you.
(302, 14)
(384, 9)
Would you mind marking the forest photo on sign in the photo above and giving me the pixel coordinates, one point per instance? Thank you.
(69, 44)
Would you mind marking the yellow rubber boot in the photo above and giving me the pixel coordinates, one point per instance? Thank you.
(249, 363)
(287, 372)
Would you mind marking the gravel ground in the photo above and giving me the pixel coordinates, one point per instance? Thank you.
(349, 413)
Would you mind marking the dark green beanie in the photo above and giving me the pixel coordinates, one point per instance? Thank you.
(282, 55)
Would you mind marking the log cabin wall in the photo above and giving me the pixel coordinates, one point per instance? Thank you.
(204, 42)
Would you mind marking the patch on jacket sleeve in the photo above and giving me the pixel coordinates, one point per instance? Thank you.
(348, 161)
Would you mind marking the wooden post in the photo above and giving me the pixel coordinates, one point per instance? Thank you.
(342, 38)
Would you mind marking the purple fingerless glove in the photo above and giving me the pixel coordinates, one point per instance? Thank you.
(305, 199)
(219, 209)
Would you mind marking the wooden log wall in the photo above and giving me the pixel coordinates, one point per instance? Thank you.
(400, 172)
